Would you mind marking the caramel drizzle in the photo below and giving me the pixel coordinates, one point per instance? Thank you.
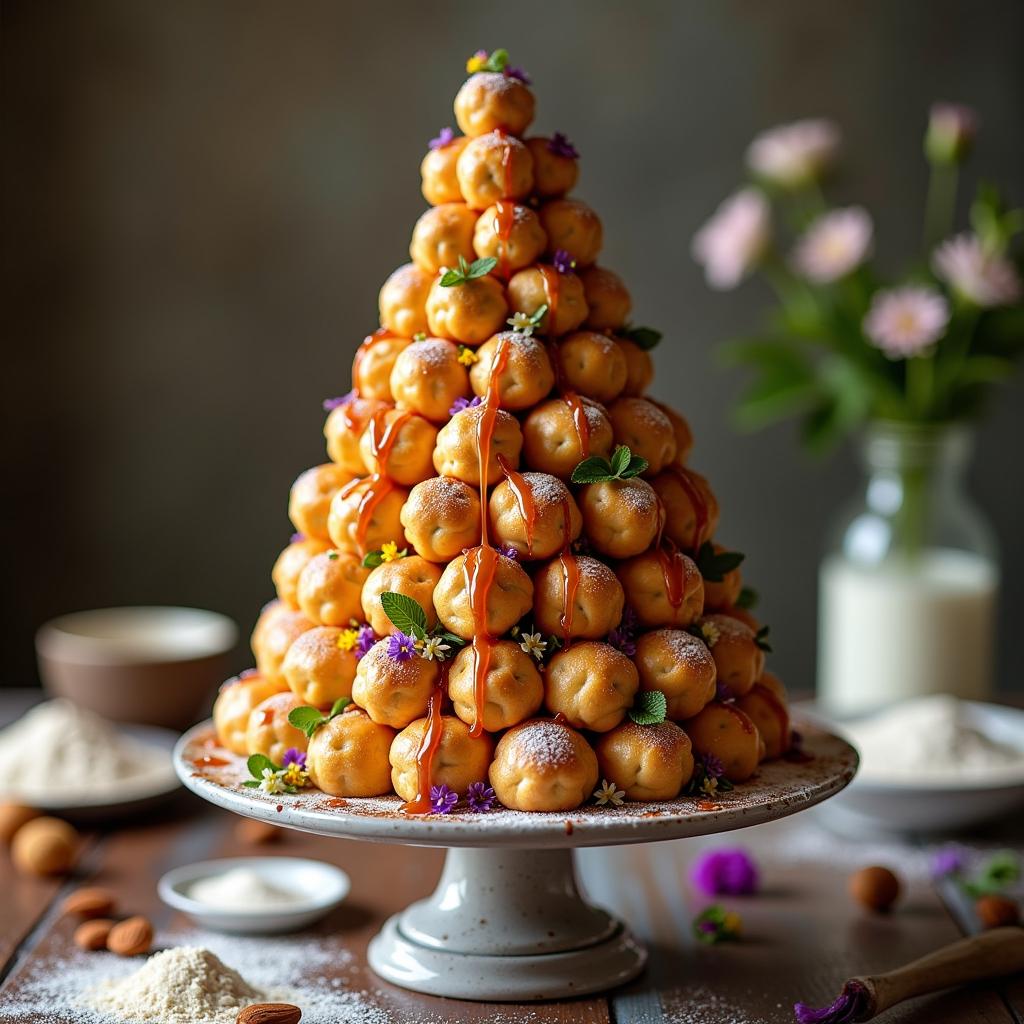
(266, 716)
(523, 494)
(504, 221)
(570, 576)
(700, 506)
(375, 488)
(571, 399)
(745, 722)
(383, 436)
(429, 743)
(379, 335)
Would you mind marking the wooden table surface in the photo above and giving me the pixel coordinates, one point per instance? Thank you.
(802, 936)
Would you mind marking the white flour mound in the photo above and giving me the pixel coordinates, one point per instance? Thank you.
(59, 750)
(930, 739)
(185, 985)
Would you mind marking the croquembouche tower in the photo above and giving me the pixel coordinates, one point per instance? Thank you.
(505, 588)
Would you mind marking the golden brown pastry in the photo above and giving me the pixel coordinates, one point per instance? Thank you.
(457, 452)
(691, 508)
(413, 576)
(269, 732)
(366, 514)
(310, 498)
(271, 642)
(459, 761)
(678, 665)
(503, 593)
(681, 428)
(535, 513)
(769, 714)
(393, 691)
(621, 518)
(234, 703)
(348, 756)
(725, 732)
(469, 312)
(344, 427)
(551, 435)
(513, 689)
(663, 588)
(739, 660)
(555, 167)
(428, 377)
(402, 302)
(608, 301)
(371, 371)
(490, 100)
(593, 365)
(772, 682)
(594, 591)
(526, 376)
(720, 594)
(648, 762)
(639, 368)
(441, 518)
(591, 684)
(289, 565)
(542, 285)
(441, 236)
(541, 765)
(573, 227)
(494, 167)
(399, 444)
(645, 430)
(329, 587)
(318, 669)
(512, 234)
(439, 182)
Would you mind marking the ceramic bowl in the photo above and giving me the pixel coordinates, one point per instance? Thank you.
(929, 807)
(152, 666)
(322, 887)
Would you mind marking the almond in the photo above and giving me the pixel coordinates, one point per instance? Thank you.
(93, 934)
(269, 1013)
(90, 902)
(45, 846)
(130, 937)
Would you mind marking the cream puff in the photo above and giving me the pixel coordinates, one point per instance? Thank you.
(592, 685)
(639, 368)
(458, 449)
(399, 445)
(428, 377)
(592, 364)
(439, 182)
(517, 365)
(555, 166)
(691, 508)
(535, 513)
(512, 234)
(494, 167)
(412, 576)
(348, 756)
(681, 428)
(402, 302)
(329, 587)
(345, 425)
(678, 665)
(233, 706)
(289, 565)
(482, 592)
(739, 660)
(722, 593)
(489, 101)
(393, 690)
(561, 433)
(468, 312)
(459, 759)
(366, 514)
(621, 518)
(310, 498)
(647, 762)
(441, 236)
(318, 669)
(512, 687)
(591, 589)
(272, 641)
(371, 369)
(608, 301)
(269, 732)
(562, 294)
(574, 228)
(645, 430)
(663, 587)
(441, 518)
(769, 714)
(726, 733)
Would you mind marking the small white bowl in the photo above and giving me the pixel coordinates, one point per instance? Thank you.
(322, 886)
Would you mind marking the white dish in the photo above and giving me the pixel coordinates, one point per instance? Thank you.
(928, 804)
(322, 887)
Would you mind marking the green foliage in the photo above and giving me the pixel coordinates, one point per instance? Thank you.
(650, 708)
(405, 614)
(643, 337)
(622, 466)
(468, 271)
(714, 565)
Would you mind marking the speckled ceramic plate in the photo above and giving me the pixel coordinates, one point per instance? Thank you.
(778, 789)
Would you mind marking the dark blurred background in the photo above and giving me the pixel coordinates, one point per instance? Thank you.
(201, 200)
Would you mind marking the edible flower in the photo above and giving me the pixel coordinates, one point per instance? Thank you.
(623, 636)
(561, 146)
(946, 861)
(984, 278)
(467, 356)
(795, 155)
(906, 322)
(716, 924)
(296, 538)
(420, 336)
(294, 756)
(708, 777)
(723, 692)
(434, 648)
(518, 74)
(367, 638)
(333, 403)
(480, 797)
(294, 775)
(709, 633)
(609, 793)
(834, 245)
(521, 323)
(347, 639)
(483, 61)
(535, 644)
(401, 647)
(509, 551)
(271, 782)
(729, 872)
(442, 799)
(444, 138)
(852, 1004)
(389, 551)
(477, 62)
(563, 261)
(461, 403)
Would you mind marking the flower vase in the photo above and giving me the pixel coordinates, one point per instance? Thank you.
(908, 587)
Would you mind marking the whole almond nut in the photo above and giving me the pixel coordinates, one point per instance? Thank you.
(90, 902)
(130, 937)
(93, 934)
(269, 1013)
(45, 846)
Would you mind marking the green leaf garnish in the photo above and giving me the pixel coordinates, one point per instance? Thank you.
(405, 614)
(596, 470)
(451, 638)
(761, 639)
(257, 763)
(650, 708)
(643, 337)
(308, 719)
(468, 271)
(996, 874)
(497, 61)
(748, 598)
(339, 705)
(714, 565)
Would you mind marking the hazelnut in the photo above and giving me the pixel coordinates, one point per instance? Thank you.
(44, 846)
(93, 935)
(91, 901)
(130, 937)
(12, 817)
(997, 911)
(875, 887)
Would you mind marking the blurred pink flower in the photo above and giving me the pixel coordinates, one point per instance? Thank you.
(734, 240)
(904, 322)
(794, 154)
(951, 131)
(985, 278)
(836, 243)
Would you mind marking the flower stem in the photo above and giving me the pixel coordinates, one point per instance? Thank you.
(920, 386)
(940, 207)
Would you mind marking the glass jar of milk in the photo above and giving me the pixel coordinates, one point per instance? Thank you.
(908, 587)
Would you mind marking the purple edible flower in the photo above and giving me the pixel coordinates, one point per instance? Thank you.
(480, 796)
(519, 74)
(442, 799)
(722, 692)
(366, 639)
(296, 538)
(461, 403)
(564, 263)
(509, 552)
(400, 646)
(713, 767)
(561, 146)
(293, 756)
(332, 403)
(853, 1004)
(949, 860)
(730, 872)
(444, 138)
(623, 640)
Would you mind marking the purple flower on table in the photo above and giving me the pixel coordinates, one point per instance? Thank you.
(401, 647)
(853, 1002)
(518, 74)
(563, 262)
(296, 538)
(480, 797)
(364, 641)
(730, 872)
(509, 552)
(561, 146)
(442, 799)
(444, 138)
(329, 404)
(293, 756)
(946, 861)
(461, 403)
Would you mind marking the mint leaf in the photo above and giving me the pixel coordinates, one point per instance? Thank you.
(497, 61)
(306, 719)
(636, 466)
(256, 764)
(650, 708)
(339, 705)
(481, 267)
(761, 641)
(251, 784)
(468, 271)
(405, 614)
(747, 598)
(451, 638)
(643, 337)
(713, 565)
(372, 559)
(620, 460)
(592, 470)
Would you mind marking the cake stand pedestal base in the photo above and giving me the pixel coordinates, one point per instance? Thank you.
(506, 925)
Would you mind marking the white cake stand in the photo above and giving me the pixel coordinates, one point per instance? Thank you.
(507, 921)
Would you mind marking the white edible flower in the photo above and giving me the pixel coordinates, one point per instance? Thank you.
(711, 633)
(836, 243)
(521, 323)
(985, 278)
(734, 240)
(609, 794)
(434, 647)
(533, 643)
(795, 154)
(271, 782)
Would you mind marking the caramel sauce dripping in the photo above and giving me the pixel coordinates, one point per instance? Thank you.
(571, 399)
(700, 506)
(266, 716)
(745, 723)
(209, 761)
(383, 436)
(504, 221)
(673, 570)
(523, 494)
(570, 576)
(375, 489)
(429, 743)
(560, 719)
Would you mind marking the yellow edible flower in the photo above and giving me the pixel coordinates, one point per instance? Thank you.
(476, 63)
(389, 551)
(467, 356)
(293, 775)
(347, 639)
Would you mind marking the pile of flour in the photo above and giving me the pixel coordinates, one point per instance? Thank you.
(61, 752)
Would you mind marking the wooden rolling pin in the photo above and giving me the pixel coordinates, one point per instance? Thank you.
(992, 954)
